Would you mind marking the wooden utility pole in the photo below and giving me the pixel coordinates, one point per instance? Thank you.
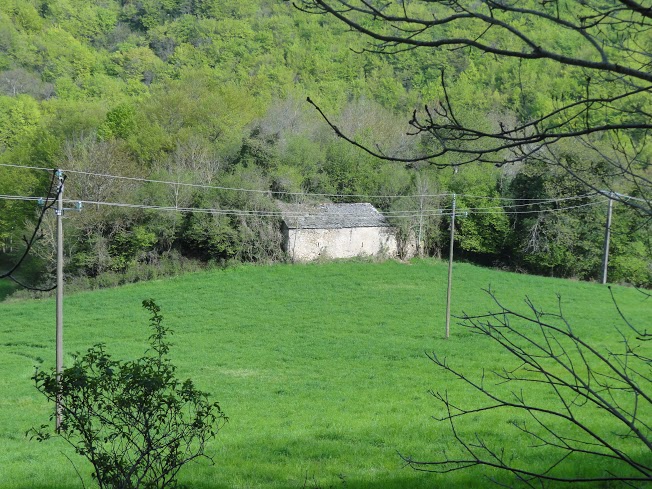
(607, 236)
(59, 330)
(450, 272)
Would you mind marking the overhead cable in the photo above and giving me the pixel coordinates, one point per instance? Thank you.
(29, 243)
(298, 214)
(307, 194)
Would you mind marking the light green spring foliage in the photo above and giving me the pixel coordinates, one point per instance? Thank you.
(214, 92)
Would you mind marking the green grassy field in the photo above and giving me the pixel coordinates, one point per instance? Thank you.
(321, 368)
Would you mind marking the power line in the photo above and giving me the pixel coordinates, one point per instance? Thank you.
(9, 165)
(218, 187)
(306, 194)
(19, 197)
(344, 212)
(29, 243)
(629, 197)
(531, 201)
(529, 204)
(541, 211)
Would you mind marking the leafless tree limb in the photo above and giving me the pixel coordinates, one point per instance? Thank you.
(613, 56)
(566, 398)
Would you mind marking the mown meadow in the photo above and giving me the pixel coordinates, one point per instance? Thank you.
(321, 368)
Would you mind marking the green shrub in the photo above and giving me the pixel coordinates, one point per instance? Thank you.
(134, 421)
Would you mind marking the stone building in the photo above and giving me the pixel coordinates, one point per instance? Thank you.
(312, 231)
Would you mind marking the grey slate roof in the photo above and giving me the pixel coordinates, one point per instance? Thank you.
(331, 216)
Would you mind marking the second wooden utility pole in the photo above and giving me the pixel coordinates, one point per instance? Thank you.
(450, 273)
(59, 331)
(607, 235)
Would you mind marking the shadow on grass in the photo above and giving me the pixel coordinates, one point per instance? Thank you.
(6, 289)
(404, 478)
(407, 481)
(309, 484)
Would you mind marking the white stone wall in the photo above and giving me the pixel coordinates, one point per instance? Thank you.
(311, 244)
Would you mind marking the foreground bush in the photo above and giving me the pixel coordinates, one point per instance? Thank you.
(134, 421)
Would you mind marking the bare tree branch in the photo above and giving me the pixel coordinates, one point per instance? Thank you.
(611, 52)
(584, 405)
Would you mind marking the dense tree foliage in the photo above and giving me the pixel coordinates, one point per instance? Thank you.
(211, 93)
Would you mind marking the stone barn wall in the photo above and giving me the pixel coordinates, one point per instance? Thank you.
(311, 244)
(313, 231)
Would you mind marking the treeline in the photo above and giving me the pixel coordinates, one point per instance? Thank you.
(212, 93)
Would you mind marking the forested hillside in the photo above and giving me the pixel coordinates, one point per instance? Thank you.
(210, 95)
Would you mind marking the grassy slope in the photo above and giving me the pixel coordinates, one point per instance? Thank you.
(320, 367)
